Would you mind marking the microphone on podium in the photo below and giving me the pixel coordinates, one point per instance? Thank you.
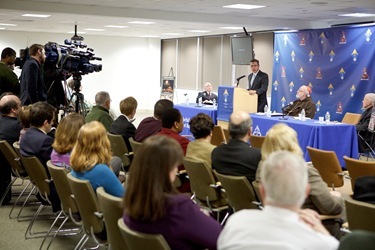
(239, 78)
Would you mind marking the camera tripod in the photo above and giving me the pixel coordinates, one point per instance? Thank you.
(77, 98)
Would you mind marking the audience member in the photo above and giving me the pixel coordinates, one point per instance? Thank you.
(258, 84)
(8, 79)
(36, 142)
(201, 127)
(358, 240)
(365, 137)
(123, 124)
(65, 139)
(303, 101)
(364, 189)
(90, 159)
(100, 112)
(152, 205)
(10, 127)
(31, 81)
(237, 157)
(152, 125)
(25, 120)
(282, 224)
(173, 125)
(207, 96)
(320, 199)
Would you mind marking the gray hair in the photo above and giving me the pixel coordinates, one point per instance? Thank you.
(101, 98)
(371, 96)
(284, 177)
(238, 131)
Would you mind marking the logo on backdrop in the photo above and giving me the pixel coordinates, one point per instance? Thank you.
(275, 84)
(365, 76)
(342, 73)
(330, 88)
(318, 105)
(355, 55)
(343, 38)
(331, 56)
(368, 35)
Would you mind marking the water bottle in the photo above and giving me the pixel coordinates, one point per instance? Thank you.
(328, 117)
(303, 115)
(186, 99)
(214, 102)
(200, 102)
(265, 109)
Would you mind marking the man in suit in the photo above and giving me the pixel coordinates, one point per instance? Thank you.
(364, 135)
(123, 124)
(32, 86)
(237, 157)
(36, 142)
(258, 84)
(10, 127)
(207, 96)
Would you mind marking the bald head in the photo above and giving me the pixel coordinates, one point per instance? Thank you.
(10, 105)
(208, 87)
(240, 125)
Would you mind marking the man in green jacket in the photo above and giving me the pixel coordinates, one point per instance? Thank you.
(100, 112)
(8, 79)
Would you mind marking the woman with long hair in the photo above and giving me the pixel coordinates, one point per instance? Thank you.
(152, 204)
(65, 138)
(91, 157)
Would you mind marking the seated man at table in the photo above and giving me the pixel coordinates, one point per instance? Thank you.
(303, 101)
(237, 157)
(152, 125)
(207, 96)
(365, 137)
(282, 224)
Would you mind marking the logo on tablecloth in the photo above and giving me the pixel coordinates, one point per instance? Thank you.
(257, 131)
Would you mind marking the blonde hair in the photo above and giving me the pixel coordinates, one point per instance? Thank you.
(280, 137)
(66, 133)
(92, 147)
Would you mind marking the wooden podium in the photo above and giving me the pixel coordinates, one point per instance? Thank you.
(231, 99)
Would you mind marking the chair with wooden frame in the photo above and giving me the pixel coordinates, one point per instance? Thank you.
(218, 136)
(360, 215)
(351, 118)
(358, 168)
(256, 141)
(226, 134)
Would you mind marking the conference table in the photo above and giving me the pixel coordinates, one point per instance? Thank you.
(188, 111)
(334, 136)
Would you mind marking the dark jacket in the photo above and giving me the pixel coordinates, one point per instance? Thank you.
(121, 126)
(32, 86)
(260, 85)
(298, 105)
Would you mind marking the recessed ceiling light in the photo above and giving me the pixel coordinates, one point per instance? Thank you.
(244, 6)
(357, 15)
(172, 34)
(231, 28)
(36, 15)
(7, 24)
(116, 26)
(141, 22)
(199, 31)
(78, 32)
(1, 28)
(150, 36)
(90, 29)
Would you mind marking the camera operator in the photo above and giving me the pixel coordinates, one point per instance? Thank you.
(32, 86)
(8, 79)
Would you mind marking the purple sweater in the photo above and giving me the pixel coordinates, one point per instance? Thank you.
(184, 226)
(61, 160)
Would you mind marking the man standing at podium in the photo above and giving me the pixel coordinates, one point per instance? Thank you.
(258, 84)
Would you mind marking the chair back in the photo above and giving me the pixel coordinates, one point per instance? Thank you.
(112, 209)
(256, 141)
(37, 174)
(255, 185)
(88, 205)
(360, 215)
(240, 193)
(226, 134)
(218, 136)
(63, 188)
(358, 168)
(16, 147)
(328, 165)
(12, 158)
(119, 148)
(136, 240)
(134, 144)
(201, 177)
(351, 118)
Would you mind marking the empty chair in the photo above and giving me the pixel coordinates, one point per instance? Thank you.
(89, 210)
(134, 144)
(358, 168)
(240, 193)
(351, 118)
(136, 240)
(203, 185)
(119, 148)
(328, 165)
(112, 210)
(218, 136)
(256, 141)
(360, 215)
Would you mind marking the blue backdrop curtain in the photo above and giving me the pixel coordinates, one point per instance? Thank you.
(337, 63)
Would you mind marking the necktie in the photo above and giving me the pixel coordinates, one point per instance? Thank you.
(252, 80)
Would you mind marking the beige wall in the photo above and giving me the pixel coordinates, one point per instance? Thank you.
(208, 59)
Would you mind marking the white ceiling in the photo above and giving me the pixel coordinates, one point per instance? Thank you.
(177, 16)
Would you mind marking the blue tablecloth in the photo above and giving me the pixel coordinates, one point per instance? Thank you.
(188, 111)
(339, 137)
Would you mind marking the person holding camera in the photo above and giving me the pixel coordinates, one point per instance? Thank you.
(8, 79)
(32, 86)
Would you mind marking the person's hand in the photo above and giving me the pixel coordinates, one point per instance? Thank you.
(207, 101)
(335, 193)
(252, 92)
(311, 218)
